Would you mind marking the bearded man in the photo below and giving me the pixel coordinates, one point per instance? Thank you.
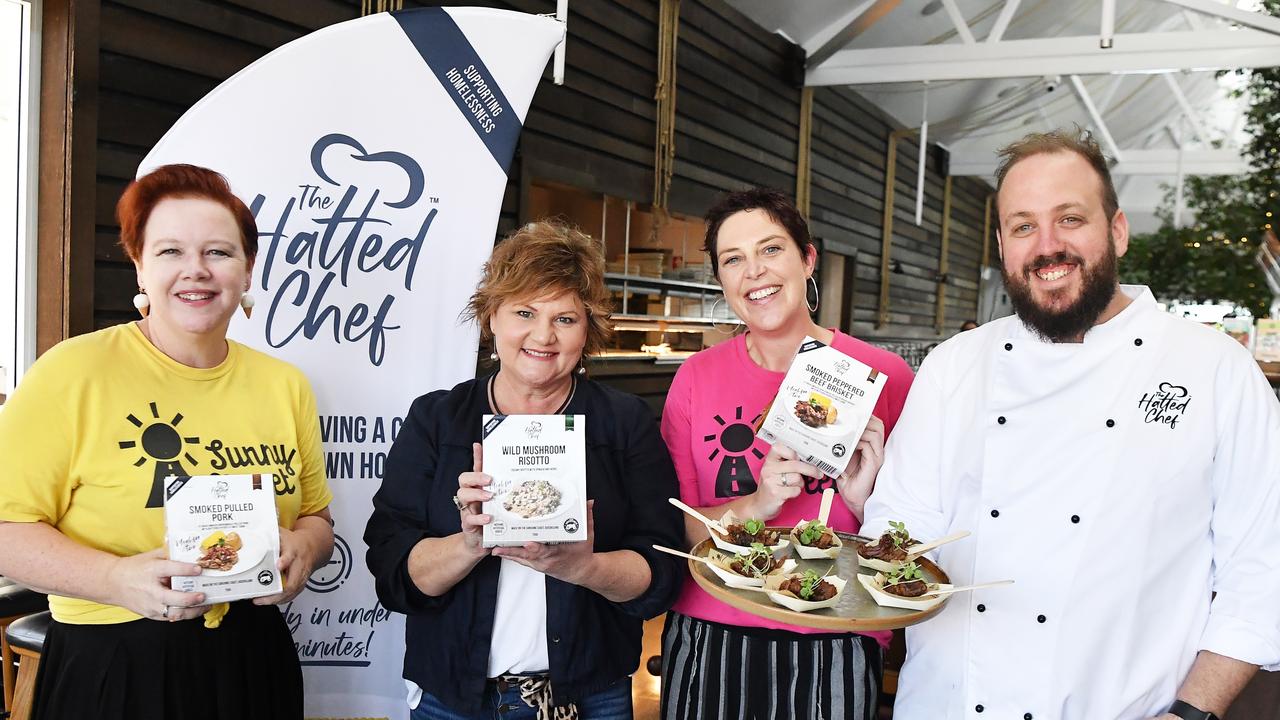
(1121, 465)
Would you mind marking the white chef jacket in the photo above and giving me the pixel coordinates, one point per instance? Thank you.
(1120, 482)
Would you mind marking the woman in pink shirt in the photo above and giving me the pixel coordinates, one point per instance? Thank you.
(719, 661)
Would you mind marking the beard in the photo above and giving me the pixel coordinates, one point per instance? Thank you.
(1064, 324)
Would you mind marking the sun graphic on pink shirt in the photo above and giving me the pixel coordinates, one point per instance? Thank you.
(731, 444)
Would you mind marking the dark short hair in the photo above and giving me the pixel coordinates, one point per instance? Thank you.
(775, 203)
(179, 181)
(1078, 141)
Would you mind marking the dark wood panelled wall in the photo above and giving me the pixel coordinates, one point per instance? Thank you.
(738, 123)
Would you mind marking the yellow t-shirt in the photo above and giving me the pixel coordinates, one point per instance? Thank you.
(101, 419)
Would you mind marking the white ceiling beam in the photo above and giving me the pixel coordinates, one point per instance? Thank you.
(1131, 53)
(1197, 122)
(1110, 94)
(962, 27)
(1256, 20)
(1099, 124)
(1136, 162)
(863, 18)
(1002, 21)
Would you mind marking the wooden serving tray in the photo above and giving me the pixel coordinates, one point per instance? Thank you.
(856, 611)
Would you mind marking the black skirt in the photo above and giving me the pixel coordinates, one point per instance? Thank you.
(244, 670)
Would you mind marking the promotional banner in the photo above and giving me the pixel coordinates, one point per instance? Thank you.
(374, 155)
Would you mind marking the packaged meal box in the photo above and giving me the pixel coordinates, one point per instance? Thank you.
(1266, 346)
(539, 468)
(823, 406)
(227, 525)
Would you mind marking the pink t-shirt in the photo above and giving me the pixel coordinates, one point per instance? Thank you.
(715, 398)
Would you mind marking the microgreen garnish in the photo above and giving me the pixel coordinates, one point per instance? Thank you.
(812, 532)
(899, 533)
(809, 584)
(905, 573)
(753, 526)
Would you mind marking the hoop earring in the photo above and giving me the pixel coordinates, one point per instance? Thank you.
(246, 304)
(142, 303)
(732, 328)
(816, 297)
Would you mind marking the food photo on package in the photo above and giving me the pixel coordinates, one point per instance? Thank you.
(227, 525)
(539, 468)
(823, 405)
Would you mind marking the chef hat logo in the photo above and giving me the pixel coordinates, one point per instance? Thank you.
(400, 175)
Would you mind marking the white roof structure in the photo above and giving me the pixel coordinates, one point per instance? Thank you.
(1140, 74)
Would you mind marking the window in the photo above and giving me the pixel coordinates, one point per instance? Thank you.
(18, 74)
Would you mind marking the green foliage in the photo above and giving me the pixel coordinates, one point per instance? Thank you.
(753, 526)
(1213, 259)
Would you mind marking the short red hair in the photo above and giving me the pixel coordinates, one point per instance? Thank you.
(179, 181)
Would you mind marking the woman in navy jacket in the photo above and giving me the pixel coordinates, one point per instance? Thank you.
(540, 630)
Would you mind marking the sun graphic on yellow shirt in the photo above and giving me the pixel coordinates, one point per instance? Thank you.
(162, 444)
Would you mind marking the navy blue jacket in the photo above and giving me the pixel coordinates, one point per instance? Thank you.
(591, 641)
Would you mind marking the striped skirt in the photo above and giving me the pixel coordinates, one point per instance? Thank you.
(712, 671)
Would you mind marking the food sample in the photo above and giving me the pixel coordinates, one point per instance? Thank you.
(748, 569)
(816, 412)
(907, 588)
(749, 532)
(804, 592)
(533, 498)
(221, 551)
(890, 551)
(757, 563)
(810, 586)
(814, 541)
(741, 534)
(815, 534)
(906, 581)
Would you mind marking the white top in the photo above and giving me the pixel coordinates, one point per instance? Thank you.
(519, 643)
(1119, 481)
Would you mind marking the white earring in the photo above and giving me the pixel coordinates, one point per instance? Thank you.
(582, 369)
(493, 356)
(246, 304)
(142, 303)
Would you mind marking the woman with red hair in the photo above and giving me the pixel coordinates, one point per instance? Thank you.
(87, 441)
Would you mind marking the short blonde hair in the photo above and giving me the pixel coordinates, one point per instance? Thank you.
(545, 259)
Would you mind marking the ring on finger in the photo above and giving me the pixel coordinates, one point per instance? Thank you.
(459, 504)
(165, 613)
(786, 482)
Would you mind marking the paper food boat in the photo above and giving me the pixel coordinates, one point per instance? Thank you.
(885, 599)
(733, 579)
(794, 603)
(778, 549)
(813, 553)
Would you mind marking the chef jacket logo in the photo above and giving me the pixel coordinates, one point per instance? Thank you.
(731, 443)
(1166, 405)
(170, 453)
